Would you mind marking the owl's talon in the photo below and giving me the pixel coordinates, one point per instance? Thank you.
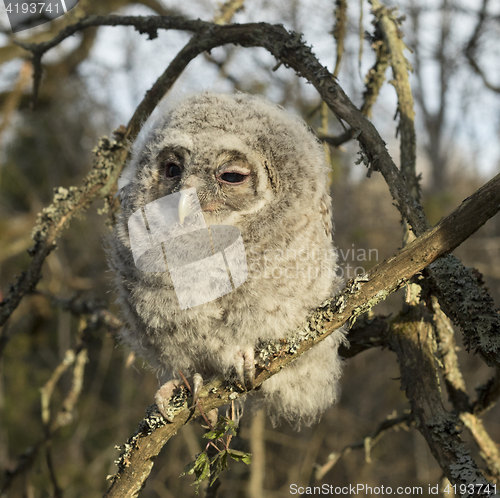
(245, 368)
(249, 368)
(213, 417)
(197, 385)
(163, 395)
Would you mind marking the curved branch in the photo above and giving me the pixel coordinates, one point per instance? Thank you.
(359, 296)
(55, 218)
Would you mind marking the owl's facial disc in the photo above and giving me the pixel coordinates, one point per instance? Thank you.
(225, 179)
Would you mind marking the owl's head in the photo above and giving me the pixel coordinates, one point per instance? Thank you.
(250, 161)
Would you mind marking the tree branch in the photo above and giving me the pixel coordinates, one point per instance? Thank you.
(413, 341)
(475, 314)
(67, 203)
(366, 444)
(393, 40)
(471, 48)
(360, 295)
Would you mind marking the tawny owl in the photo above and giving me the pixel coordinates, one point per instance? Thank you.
(224, 243)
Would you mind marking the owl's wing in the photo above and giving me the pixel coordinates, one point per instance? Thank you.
(326, 214)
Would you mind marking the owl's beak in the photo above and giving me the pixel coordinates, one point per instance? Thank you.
(184, 208)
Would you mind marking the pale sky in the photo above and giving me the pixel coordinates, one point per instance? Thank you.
(124, 64)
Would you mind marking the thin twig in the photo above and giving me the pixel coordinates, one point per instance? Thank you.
(471, 48)
(487, 395)
(366, 444)
(339, 32)
(63, 417)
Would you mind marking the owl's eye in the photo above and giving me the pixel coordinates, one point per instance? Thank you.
(232, 177)
(172, 170)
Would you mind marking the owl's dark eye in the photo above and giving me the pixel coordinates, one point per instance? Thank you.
(232, 177)
(172, 170)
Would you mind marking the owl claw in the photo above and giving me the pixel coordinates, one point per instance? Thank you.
(167, 390)
(163, 395)
(212, 416)
(197, 385)
(245, 368)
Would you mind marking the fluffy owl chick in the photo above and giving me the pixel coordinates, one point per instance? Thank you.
(257, 168)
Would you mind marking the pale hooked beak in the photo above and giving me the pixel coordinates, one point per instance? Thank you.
(185, 208)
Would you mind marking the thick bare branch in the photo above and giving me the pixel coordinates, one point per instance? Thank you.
(413, 341)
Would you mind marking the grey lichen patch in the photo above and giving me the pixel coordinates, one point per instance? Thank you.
(470, 306)
(176, 404)
(70, 201)
(365, 307)
(445, 431)
(63, 202)
(442, 425)
(311, 329)
(354, 285)
(465, 470)
(151, 422)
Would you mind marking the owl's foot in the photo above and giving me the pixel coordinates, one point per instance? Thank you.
(245, 367)
(197, 385)
(163, 396)
(167, 391)
(212, 417)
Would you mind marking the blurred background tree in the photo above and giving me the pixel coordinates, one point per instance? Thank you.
(92, 83)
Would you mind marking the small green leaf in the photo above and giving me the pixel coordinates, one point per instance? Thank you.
(219, 463)
(205, 471)
(224, 426)
(200, 467)
(231, 428)
(240, 456)
(188, 469)
(215, 434)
